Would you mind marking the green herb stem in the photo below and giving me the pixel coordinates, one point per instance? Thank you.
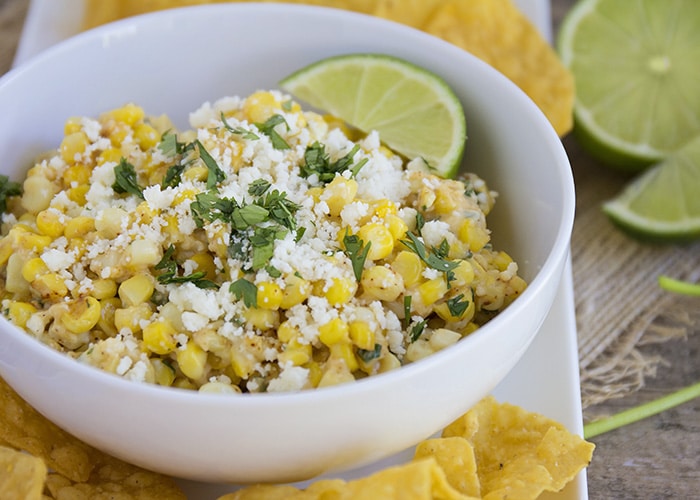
(678, 286)
(642, 411)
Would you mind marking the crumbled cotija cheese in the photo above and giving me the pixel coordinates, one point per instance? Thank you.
(264, 249)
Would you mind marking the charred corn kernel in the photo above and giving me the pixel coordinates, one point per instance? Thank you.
(77, 246)
(409, 266)
(128, 114)
(50, 285)
(136, 290)
(262, 319)
(78, 194)
(164, 374)
(205, 264)
(77, 227)
(381, 239)
(517, 284)
(381, 283)
(445, 202)
(426, 198)
(82, 315)
(50, 223)
(144, 252)
(113, 154)
(158, 337)
(388, 362)
(146, 136)
(334, 332)
(418, 350)
(442, 337)
(502, 260)
(33, 268)
(463, 273)
(72, 125)
(338, 193)
(269, 295)
(111, 221)
(397, 227)
(345, 352)
(73, 146)
(78, 174)
(20, 312)
(196, 173)
(382, 208)
(335, 372)
(361, 335)
(296, 290)
(340, 291)
(286, 331)
(432, 290)
(260, 106)
(296, 353)
(192, 360)
(103, 288)
(37, 195)
(473, 235)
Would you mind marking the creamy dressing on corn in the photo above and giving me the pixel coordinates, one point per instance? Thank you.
(369, 268)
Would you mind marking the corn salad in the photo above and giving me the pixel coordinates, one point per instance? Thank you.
(266, 248)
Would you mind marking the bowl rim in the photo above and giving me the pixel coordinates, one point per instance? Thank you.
(556, 254)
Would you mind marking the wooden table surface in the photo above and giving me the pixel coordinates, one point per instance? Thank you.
(656, 458)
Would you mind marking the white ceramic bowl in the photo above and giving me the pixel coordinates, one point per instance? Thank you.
(173, 61)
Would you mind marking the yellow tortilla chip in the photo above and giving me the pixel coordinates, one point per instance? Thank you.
(455, 455)
(22, 476)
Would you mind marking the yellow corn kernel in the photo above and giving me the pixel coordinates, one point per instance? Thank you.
(260, 106)
(72, 125)
(218, 387)
(73, 146)
(192, 360)
(50, 223)
(418, 350)
(286, 332)
(381, 239)
(335, 372)
(103, 288)
(262, 319)
(185, 196)
(388, 362)
(76, 175)
(409, 266)
(146, 136)
(441, 338)
(426, 198)
(77, 246)
(473, 235)
(382, 208)
(173, 314)
(37, 195)
(340, 291)
(184, 383)
(295, 353)
(381, 283)
(296, 290)
(361, 335)
(136, 290)
(397, 227)
(502, 260)
(196, 173)
(77, 227)
(33, 268)
(432, 290)
(315, 373)
(445, 202)
(443, 310)
(14, 281)
(19, 312)
(50, 285)
(338, 193)
(243, 363)
(164, 374)
(128, 114)
(82, 315)
(5, 249)
(470, 328)
(315, 193)
(463, 273)
(113, 154)
(78, 194)
(269, 295)
(205, 264)
(132, 317)
(144, 252)
(517, 284)
(110, 221)
(106, 321)
(158, 337)
(345, 352)
(334, 332)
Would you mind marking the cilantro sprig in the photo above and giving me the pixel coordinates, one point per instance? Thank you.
(126, 180)
(434, 257)
(357, 252)
(169, 266)
(268, 128)
(317, 162)
(245, 290)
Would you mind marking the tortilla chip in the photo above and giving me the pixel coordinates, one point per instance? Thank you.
(456, 457)
(22, 476)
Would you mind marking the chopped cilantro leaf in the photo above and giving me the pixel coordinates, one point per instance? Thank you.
(258, 187)
(170, 267)
(244, 290)
(268, 128)
(407, 310)
(317, 162)
(125, 180)
(357, 251)
(8, 188)
(370, 355)
(215, 174)
(432, 259)
(244, 133)
(417, 330)
(457, 305)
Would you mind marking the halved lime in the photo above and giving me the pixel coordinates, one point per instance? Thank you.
(415, 111)
(663, 203)
(637, 73)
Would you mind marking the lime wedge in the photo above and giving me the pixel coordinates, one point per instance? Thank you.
(663, 203)
(635, 64)
(415, 111)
